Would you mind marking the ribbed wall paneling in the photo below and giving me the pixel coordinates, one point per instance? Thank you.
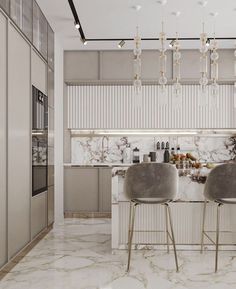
(187, 220)
(116, 107)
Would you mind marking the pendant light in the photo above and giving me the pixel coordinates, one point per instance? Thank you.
(203, 59)
(137, 63)
(163, 58)
(214, 63)
(176, 60)
(203, 50)
(137, 83)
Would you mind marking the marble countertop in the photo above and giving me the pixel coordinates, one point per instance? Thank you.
(112, 165)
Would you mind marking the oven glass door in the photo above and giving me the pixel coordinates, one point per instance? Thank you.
(39, 164)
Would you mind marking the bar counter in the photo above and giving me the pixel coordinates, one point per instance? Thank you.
(187, 209)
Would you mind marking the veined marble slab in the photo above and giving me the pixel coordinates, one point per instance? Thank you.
(78, 255)
(106, 149)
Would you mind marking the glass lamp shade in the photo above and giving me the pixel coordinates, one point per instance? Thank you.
(137, 66)
(163, 80)
(203, 81)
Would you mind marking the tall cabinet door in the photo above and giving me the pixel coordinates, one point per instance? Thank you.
(3, 91)
(19, 142)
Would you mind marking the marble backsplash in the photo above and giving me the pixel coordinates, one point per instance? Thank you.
(109, 149)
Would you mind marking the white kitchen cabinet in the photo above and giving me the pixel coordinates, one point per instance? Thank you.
(21, 13)
(3, 143)
(87, 189)
(5, 5)
(40, 27)
(104, 195)
(117, 65)
(19, 141)
(83, 65)
(50, 47)
(151, 65)
(38, 214)
(190, 65)
(226, 67)
(50, 87)
(51, 207)
(116, 107)
(81, 189)
(38, 72)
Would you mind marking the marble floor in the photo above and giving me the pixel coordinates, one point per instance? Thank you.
(77, 255)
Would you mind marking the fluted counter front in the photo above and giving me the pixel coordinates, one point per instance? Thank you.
(187, 216)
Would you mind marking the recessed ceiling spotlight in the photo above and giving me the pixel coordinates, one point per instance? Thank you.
(162, 2)
(84, 41)
(176, 13)
(202, 3)
(171, 44)
(77, 26)
(137, 7)
(121, 43)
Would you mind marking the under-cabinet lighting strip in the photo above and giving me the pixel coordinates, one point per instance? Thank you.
(213, 132)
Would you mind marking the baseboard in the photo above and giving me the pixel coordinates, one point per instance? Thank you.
(86, 215)
(21, 254)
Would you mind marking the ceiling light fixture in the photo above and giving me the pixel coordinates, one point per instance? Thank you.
(77, 26)
(76, 19)
(121, 43)
(84, 41)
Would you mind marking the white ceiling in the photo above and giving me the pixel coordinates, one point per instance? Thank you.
(117, 19)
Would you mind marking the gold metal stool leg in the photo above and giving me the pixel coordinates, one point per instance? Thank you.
(217, 236)
(173, 238)
(203, 225)
(132, 214)
(167, 230)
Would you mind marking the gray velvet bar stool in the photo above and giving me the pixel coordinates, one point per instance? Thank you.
(220, 188)
(151, 183)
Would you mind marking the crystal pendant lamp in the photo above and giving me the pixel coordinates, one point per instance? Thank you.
(214, 68)
(203, 60)
(163, 59)
(177, 58)
(137, 64)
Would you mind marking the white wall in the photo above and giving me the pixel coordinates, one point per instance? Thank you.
(59, 173)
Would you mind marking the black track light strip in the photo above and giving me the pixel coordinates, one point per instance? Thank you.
(76, 18)
(154, 39)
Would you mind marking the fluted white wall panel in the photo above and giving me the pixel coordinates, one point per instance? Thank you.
(187, 229)
(116, 107)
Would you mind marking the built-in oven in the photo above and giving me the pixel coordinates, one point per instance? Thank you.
(39, 141)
